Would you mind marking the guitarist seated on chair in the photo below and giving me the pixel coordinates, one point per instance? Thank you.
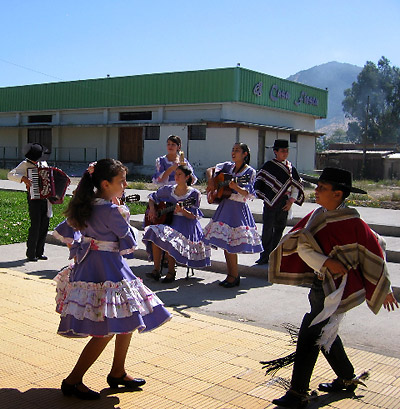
(181, 238)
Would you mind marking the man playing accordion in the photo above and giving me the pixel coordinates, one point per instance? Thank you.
(40, 209)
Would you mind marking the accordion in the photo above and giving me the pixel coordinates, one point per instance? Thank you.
(48, 183)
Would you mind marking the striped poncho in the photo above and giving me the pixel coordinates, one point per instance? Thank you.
(342, 235)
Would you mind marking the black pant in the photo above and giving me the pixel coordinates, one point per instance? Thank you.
(307, 351)
(39, 227)
(274, 223)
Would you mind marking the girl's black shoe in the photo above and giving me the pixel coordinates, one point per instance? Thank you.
(132, 383)
(155, 274)
(235, 283)
(170, 277)
(72, 390)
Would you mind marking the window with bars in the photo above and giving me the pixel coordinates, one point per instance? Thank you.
(39, 119)
(152, 133)
(197, 132)
(136, 116)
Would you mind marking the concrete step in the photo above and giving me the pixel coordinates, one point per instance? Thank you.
(392, 243)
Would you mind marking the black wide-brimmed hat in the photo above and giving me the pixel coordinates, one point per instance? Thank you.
(280, 143)
(340, 177)
(35, 151)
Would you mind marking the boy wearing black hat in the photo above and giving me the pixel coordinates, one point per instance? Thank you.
(340, 257)
(278, 184)
(40, 210)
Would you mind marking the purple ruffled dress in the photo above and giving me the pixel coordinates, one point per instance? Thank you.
(99, 295)
(184, 238)
(232, 227)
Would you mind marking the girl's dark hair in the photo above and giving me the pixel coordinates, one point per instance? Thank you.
(187, 171)
(80, 207)
(175, 139)
(245, 148)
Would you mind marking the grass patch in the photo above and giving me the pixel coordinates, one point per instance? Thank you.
(3, 174)
(140, 185)
(14, 216)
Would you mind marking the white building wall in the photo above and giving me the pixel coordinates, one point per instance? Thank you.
(192, 113)
(305, 153)
(250, 138)
(81, 117)
(217, 148)
(267, 116)
(80, 144)
(9, 137)
(9, 120)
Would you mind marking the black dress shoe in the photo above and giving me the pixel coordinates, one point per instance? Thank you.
(292, 400)
(72, 390)
(155, 274)
(234, 283)
(222, 283)
(131, 384)
(338, 385)
(32, 258)
(42, 257)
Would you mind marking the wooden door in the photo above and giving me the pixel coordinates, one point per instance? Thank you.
(131, 145)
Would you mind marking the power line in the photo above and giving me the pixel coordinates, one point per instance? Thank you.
(30, 69)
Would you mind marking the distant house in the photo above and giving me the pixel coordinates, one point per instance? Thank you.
(130, 118)
(381, 162)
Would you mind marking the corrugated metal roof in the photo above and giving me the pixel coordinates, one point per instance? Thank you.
(189, 87)
(355, 152)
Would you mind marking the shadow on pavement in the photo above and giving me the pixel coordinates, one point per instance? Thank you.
(49, 398)
(196, 291)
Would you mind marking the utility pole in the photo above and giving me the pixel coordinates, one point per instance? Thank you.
(364, 163)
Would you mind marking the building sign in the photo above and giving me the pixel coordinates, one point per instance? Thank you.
(276, 94)
(257, 90)
(306, 99)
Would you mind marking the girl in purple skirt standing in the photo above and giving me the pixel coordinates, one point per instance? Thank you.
(232, 227)
(166, 165)
(99, 296)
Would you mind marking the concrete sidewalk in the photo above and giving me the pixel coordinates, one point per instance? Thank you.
(195, 361)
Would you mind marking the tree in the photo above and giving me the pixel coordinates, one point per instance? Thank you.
(373, 102)
(323, 142)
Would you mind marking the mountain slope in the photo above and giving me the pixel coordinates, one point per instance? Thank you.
(336, 77)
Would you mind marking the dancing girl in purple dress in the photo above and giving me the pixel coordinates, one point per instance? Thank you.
(99, 296)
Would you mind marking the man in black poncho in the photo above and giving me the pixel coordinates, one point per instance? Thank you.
(278, 185)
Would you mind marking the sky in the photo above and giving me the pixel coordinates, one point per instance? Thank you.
(66, 40)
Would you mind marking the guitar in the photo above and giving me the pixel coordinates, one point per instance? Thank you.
(130, 198)
(165, 211)
(126, 199)
(221, 186)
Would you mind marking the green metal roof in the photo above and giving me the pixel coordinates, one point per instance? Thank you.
(189, 87)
